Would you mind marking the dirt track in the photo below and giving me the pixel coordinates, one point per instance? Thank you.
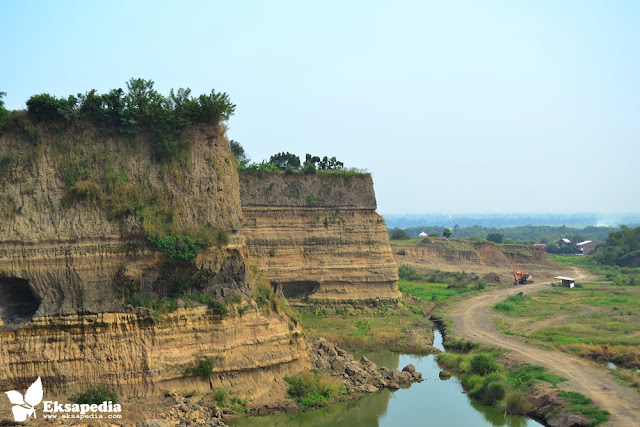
(473, 319)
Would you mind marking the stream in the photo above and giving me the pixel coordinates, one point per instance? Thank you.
(433, 402)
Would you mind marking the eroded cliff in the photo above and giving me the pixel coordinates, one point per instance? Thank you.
(90, 223)
(318, 236)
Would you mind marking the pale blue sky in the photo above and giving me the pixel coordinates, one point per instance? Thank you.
(454, 106)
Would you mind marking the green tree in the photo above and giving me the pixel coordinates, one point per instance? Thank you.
(3, 112)
(239, 153)
(398, 234)
(330, 163)
(621, 248)
(495, 237)
(446, 233)
(284, 160)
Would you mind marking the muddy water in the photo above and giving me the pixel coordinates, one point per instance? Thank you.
(432, 402)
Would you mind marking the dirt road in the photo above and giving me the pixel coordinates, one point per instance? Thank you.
(473, 319)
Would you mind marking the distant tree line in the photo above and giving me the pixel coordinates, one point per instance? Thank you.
(525, 234)
(621, 248)
(138, 108)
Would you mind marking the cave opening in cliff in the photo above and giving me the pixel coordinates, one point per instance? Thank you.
(299, 289)
(18, 303)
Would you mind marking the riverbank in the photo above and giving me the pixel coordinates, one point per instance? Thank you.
(436, 401)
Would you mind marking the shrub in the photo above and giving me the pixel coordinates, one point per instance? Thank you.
(95, 395)
(516, 403)
(364, 326)
(516, 298)
(471, 381)
(461, 345)
(450, 361)
(233, 299)
(490, 391)
(313, 389)
(483, 364)
(216, 306)
(220, 396)
(504, 306)
(313, 200)
(202, 368)
(180, 247)
(263, 294)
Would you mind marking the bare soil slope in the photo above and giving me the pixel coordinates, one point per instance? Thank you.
(482, 258)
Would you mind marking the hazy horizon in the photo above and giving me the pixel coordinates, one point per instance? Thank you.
(457, 106)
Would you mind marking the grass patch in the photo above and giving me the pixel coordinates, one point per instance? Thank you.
(313, 388)
(369, 328)
(527, 375)
(580, 403)
(598, 321)
(431, 291)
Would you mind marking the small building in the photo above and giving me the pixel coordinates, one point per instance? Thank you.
(568, 282)
(540, 246)
(423, 234)
(583, 248)
(563, 242)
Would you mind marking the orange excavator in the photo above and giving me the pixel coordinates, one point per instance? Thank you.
(520, 277)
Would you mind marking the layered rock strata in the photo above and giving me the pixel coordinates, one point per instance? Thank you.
(318, 237)
(75, 210)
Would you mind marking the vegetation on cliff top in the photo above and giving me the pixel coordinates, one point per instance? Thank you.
(140, 108)
(288, 163)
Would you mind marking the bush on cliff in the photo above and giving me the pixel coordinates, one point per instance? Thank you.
(140, 108)
(201, 368)
(95, 395)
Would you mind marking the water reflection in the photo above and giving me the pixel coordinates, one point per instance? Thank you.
(431, 402)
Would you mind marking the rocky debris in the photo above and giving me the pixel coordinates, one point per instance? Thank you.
(154, 423)
(444, 375)
(362, 376)
(409, 368)
(186, 413)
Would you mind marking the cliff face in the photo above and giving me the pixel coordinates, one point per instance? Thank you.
(74, 254)
(76, 208)
(318, 236)
(138, 354)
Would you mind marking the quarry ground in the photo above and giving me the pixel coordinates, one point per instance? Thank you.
(472, 316)
(473, 319)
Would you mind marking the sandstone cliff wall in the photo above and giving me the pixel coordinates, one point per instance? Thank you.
(139, 355)
(319, 237)
(75, 207)
(72, 252)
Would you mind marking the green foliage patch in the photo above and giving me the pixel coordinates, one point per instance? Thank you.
(201, 368)
(95, 395)
(140, 108)
(313, 388)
